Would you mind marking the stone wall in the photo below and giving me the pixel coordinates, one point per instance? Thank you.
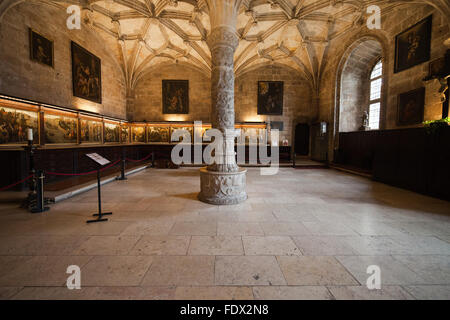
(393, 22)
(412, 78)
(298, 102)
(24, 78)
(147, 104)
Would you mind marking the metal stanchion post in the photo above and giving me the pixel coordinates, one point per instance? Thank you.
(30, 200)
(293, 162)
(122, 169)
(40, 201)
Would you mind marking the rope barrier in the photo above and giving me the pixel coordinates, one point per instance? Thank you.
(16, 183)
(82, 174)
(132, 160)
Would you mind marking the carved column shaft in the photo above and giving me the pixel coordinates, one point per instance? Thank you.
(223, 42)
(223, 182)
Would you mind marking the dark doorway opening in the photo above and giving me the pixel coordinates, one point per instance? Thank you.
(302, 139)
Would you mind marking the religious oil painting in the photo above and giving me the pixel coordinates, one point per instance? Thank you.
(412, 46)
(125, 133)
(410, 107)
(158, 134)
(14, 124)
(175, 96)
(86, 74)
(138, 134)
(251, 135)
(60, 129)
(91, 131)
(112, 132)
(270, 97)
(190, 130)
(41, 48)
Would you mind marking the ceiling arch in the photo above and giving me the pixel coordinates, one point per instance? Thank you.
(296, 33)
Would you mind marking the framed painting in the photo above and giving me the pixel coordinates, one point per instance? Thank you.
(270, 97)
(138, 134)
(410, 107)
(158, 134)
(189, 129)
(124, 133)
(204, 129)
(277, 125)
(91, 131)
(250, 135)
(412, 46)
(175, 96)
(86, 74)
(41, 48)
(60, 128)
(14, 124)
(112, 132)
(437, 68)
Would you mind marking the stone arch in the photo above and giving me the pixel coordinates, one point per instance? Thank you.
(358, 49)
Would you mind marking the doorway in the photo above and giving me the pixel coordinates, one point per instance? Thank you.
(302, 139)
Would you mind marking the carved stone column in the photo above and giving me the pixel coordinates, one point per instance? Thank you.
(223, 182)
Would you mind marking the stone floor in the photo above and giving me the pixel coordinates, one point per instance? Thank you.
(302, 234)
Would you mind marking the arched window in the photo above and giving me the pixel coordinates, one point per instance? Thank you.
(375, 96)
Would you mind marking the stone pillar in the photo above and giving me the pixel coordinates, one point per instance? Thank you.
(223, 182)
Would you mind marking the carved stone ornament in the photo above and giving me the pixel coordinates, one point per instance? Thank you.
(222, 188)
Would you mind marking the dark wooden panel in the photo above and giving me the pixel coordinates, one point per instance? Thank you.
(408, 158)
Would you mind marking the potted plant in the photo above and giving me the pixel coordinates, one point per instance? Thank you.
(435, 126)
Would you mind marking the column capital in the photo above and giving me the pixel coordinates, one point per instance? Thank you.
(223, 36)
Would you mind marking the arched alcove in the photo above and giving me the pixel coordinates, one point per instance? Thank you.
(355, 84)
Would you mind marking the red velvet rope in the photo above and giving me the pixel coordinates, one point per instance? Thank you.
(81, 174)
(132, 160)
(16, 183)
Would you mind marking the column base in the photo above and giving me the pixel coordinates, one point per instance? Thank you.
(222, 188)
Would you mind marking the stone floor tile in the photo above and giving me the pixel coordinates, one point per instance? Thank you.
(239, 229)
(315, 271)
(106, 245)
(363, 293)
(392, 271)
(115, 271)
(180, 271)
(270, 245)
(194, 228)
(215, 245)
(214, 293)
(433, 292)
(292, 293)
(161, 245)
(248, 271)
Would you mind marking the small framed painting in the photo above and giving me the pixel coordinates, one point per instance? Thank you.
(410, 107)
(86, 74)
(112, 132)
(41, 48)
(158, 134)
(277, 125)
(437, 68)
(175, 96)
(270, 97)
(412, 46)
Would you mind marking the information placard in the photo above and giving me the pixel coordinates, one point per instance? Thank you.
(98, 158)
